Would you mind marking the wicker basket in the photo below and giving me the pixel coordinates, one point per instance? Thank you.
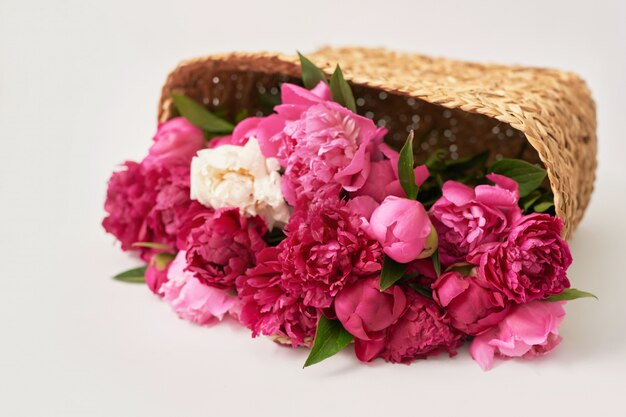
(541, 115)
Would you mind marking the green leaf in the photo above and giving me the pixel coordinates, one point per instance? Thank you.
(135, 275)
(571, 294)
(197, 115)
(391, 273)
(405, 168)
(341, 91)
(543, 206)
(528, 176)
(436, 262)
(311, 74)
(527, 202)
(330, 338)
(153, 245)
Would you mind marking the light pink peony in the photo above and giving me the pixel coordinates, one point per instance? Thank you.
(421, 331)
(325, 250)
(147, 205)
(222, 244)
(365, 311)
(471, 304)
(175, 143)
(531, 264)
(323, 146)
(269, 308)
(192, 300)
(466, 218)
(403, 228)
(529, 330)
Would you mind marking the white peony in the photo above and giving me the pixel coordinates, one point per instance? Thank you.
(239, 176)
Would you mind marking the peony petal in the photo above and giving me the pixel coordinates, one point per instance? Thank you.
(293, 94)
(457, 193)
(482, 352)
(322, 90)
(367, 350)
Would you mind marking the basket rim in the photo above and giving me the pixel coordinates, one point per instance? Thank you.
(552, 108)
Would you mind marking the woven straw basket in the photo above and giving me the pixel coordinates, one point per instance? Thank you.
(541, 115)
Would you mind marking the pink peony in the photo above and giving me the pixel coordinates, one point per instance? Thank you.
(192, 300)
(222, 244)
(383, 179)
(466, 218)
(175, 143)
(325, 250)
(323, 146)
(269, 308)
(403, 228)
(471, 303)
(531, 263)
(420, 332)
(365, 311)
(244, 130)
(146, 205)
(529, 330)
(294, 101)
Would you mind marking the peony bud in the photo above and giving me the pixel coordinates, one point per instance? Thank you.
(403, 228)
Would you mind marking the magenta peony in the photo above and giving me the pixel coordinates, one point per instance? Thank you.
(466, 217)
(365, 311)
(403, 228)
(470, 303)
(222, 244)
(171, 207)
(192, 300)
(269, 308)
(130, 197)
(325, 250)
(529, 330)
(146, 205)
(175, 143)
(323, 146)
(532, 262)
(420, 332)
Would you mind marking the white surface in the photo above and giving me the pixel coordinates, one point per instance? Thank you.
(79, 82)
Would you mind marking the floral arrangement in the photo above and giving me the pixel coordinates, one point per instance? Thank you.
(305, 226)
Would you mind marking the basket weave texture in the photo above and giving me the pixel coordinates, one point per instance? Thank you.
(471, 104)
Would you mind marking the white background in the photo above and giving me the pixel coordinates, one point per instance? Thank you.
(79, 83)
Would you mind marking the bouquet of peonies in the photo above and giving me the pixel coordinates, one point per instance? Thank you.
(305, 226)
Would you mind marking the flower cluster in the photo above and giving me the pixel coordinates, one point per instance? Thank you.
(306, 218)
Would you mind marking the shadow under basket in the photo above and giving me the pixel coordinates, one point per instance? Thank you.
(541, 115)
